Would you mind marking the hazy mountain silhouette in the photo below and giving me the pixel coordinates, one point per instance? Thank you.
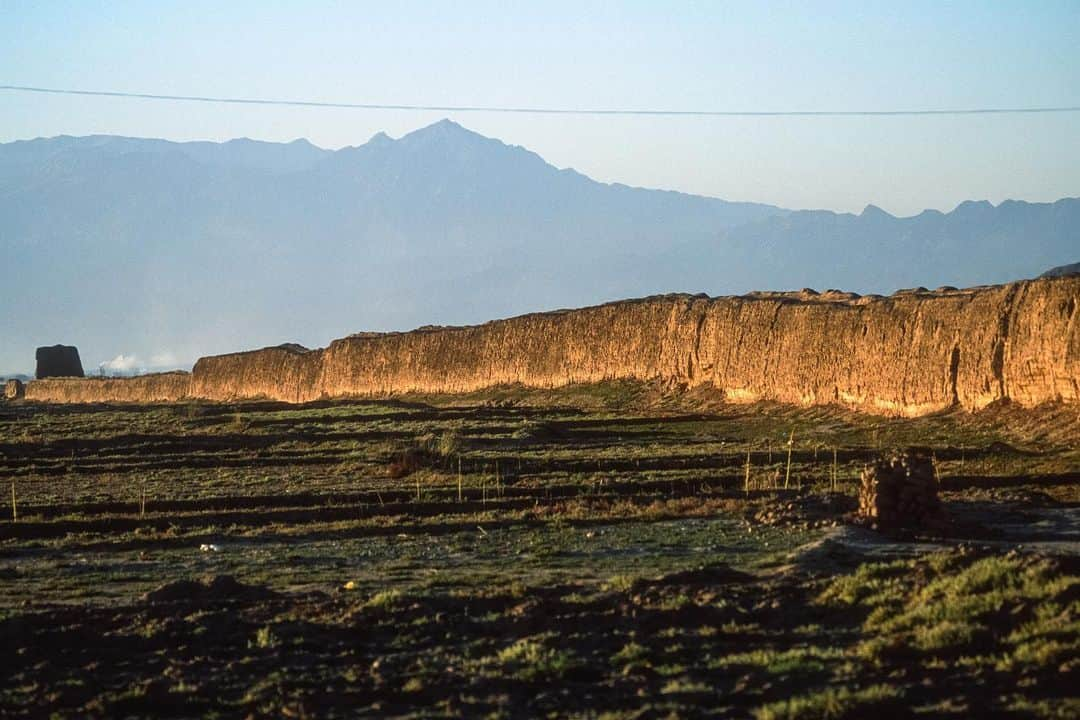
(1063, 270)
(977, 243)
(149, 247)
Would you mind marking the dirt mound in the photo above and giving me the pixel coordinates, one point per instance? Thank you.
(209, 589)
(716, 574)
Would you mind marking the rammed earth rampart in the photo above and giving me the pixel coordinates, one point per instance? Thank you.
(908, 354)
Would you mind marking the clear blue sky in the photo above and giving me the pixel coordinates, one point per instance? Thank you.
(680, 55)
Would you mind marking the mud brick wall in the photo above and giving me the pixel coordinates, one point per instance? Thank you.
(908, 354)
(160, 387)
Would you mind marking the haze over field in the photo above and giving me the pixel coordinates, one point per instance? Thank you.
(148, 253)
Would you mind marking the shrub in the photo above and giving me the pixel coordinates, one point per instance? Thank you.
(406, 463)
(265, 638)
(384, 600)
(534, 430)
(532, 660)
(630, 652)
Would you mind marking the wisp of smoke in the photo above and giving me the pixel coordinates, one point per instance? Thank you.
(124, 364)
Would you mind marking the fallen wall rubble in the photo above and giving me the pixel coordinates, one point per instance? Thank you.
(901, 491)
(14, 389)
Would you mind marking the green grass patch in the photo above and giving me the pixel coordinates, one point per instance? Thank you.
(834, 704)
(529, 659)
(1022, 608)
(802, 660)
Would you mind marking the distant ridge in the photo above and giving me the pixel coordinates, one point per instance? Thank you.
(152, 248)
(1062, 270)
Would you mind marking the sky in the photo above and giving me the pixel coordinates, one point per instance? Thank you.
(654, 55)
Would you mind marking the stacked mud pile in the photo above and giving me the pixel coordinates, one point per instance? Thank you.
(901, 492)
(909, 354)
(14, 389)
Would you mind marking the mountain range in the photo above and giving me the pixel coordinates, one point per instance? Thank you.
(1062, 270)
(149, 253)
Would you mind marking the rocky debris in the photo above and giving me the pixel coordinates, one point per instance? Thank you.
(218, 587)
(14, 389)
(901, 492)
(805, 512)
(58, 361)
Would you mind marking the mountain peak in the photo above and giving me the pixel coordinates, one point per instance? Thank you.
(442, 130)
(873, 211)
(380, 138)
(974, 205)
(445, 125)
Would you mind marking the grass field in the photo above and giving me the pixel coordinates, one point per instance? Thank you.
(604, 551)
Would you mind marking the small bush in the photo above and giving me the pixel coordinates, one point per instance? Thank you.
(534, 431)
(631, 652)
(620, 583)
(413, 685)
(446, 444)
(430, 450)
(532, 660)
(946, 635)
(265, 638)
(406, 463)
(384, 600)
(239, 423)
(684, 685)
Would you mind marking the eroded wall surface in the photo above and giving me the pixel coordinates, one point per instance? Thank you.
(908, 354)
(161, 387)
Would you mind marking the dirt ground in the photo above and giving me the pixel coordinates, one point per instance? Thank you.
(616, 551)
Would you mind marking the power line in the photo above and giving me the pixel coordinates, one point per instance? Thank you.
(544, 110)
